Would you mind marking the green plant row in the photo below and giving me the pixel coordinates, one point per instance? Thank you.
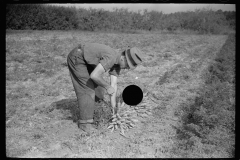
(208, 122)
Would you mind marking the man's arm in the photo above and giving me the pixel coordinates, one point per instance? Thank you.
(114, 85)
(96, 76)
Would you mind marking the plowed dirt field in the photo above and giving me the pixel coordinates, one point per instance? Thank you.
(41, 108)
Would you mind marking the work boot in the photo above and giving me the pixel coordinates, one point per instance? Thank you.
(87, 127)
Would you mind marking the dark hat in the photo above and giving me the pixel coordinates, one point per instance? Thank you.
(134, 57)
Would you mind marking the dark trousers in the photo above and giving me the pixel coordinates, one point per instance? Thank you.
(83, 85)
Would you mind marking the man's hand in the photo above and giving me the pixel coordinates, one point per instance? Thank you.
(110, 90)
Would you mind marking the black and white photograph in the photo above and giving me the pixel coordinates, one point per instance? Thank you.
(120, 80)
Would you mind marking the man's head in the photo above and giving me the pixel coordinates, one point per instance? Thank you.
(130, 58)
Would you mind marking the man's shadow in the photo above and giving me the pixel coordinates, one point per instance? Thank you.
(71, 106)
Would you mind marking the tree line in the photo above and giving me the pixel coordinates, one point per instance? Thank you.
(49, 17)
